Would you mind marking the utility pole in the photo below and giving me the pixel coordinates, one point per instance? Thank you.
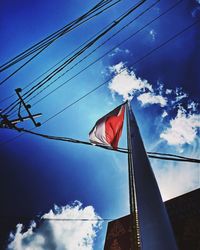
(5, 122)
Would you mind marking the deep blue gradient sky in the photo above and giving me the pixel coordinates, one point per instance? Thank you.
(36, 173)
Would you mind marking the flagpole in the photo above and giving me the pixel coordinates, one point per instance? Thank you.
(135, 240)
(153, 228)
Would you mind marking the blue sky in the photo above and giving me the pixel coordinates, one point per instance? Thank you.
(164, 87)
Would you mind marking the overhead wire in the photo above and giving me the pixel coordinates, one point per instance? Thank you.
(60, 68)
(112, 25)
(41, 219)
(24, 64)
(94, 50)
(52, 67)
(54, 36)
(172, 155)
(136, 62)
(37, 78)
(42, 48)
(35, 45)
(99, 86)
(154, 155)
(91, 11)
(191, 160)
(119, 44)
(109, 51)
(67, 219)
(125, 26)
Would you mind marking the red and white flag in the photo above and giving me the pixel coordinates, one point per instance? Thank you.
(108, 129)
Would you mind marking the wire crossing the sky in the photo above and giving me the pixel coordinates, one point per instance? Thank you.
(101, 7)
(67, 62)
(125, 26)
(29, 60)
(123, 41)
(56, 219)
(6, 98)
(47, 45)
(154, 155)
(136, 62)
(99, 86)
(120, 30)
(107, 53)
(68, 219)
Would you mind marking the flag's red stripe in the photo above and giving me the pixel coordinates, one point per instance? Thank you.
(113, 128)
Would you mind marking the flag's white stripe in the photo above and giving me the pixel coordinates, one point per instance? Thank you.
(98, 134)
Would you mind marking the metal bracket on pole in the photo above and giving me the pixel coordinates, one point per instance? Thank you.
(27, 108)
(6, 123)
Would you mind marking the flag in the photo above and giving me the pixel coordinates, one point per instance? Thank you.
(108, 129)
(154, 226)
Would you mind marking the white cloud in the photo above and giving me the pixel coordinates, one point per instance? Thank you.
(179, 95)
(127, 51)
(153, 34)
(192, 106)
(58, 234)
(118, 50)
(160, 87)
(183, 129)
(117, 68)
(151, 98)
(177, 179)
(125, 83)
(114, 52)
(175, 95)
(164, 114)
(168, 91)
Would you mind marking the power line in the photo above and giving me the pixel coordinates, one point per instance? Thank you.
(119, 44)
(172, 155)
(42, 48)
(24, 64)
(137, 61)
(59, 219)
(99, 86)
(123, 41)
(55, 219)
(67, 62)
(191, 160)
(45, 39)
(112, 25)
(125, 26)
(155, 155)
(54, 36)
(52, 67)
(37, 78)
